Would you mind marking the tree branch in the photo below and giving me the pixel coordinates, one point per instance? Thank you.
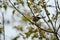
(3, 26)
(58, 28)
(29, 20)
(58, 5)
(45, 8)
(30, 9)
(49, 18)
(45, 21)
(56, 12)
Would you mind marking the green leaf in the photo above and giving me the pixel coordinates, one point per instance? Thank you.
(24, 19)
(13, 12)
(58, 12)
(28, 4)
(0, 6)
(46, 38)
(36, 30)
(40, 38)
(18, 27)
(54, 38)
(5, 6)
(21, 29)
(15, 3)
(48, 13)
(36, 35)
(39, 3)
(53, 17)
(28, 34)
(1, 29)
(21, 1)
(49, 21)
(31, 1)
(16, 37)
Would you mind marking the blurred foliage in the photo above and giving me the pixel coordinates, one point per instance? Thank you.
(21, 1)
(15, 38)
(1, 29)
(5, 6)
(20, 28)
(16, 3)
(53, 17)
(37, 8)
(28, 16)
(54, 38)
(49, 20)
(0, 6)
(13, 12)
(35, 35)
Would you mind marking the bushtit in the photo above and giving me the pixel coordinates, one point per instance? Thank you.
(35, 18)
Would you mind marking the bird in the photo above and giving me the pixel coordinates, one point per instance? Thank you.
(35, 18)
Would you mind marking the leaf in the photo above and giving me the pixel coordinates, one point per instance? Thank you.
(43, 6)
(48, 13)
(24, 19)
(19, 28)
(36, 30)
(53, 17)
(0, 6)
(5, 6)
(46, 38)
(35, 35)
(39, 3)
(31, 1)
(28, 4)
(16, 37)
(13, 12)
(28, 34)
(49, 20)
(40, 38)
(1, 29)
(21, 1)
(15, 3)
(58, 12)
(54, 38)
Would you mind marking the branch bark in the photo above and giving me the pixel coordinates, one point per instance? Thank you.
(30, 20)
(3, 26)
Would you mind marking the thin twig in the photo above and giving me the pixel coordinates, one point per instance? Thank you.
(20, 12)
(56, 12)
(43, 18)
(56, 34)
(48, 15)
(45, 21)
(58, 5)
(31, 9)
(29, 20)
(0, 36)
(49, 18)
(58, 28)
(3, 26)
